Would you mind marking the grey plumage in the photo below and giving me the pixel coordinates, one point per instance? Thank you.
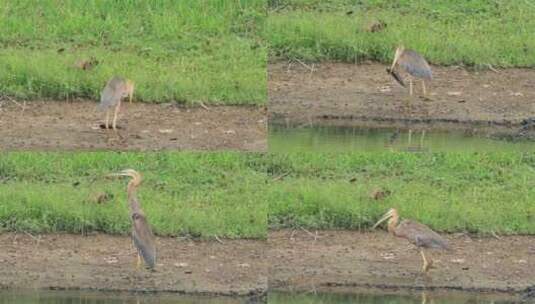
(116, 89)
(420, 235)
(416, 65)
(412, 63)
(112, 93)
(144, 239)
(142, 235)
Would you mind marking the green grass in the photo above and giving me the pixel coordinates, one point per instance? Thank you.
(237, 195)
(465, 192)
(186, 51)
(474, 33)
(196, 194)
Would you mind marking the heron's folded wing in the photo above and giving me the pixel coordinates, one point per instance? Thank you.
(144, 241)
(416, 65)
(109, 96)
(422, 236)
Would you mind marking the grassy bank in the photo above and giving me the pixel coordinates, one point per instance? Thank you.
(479, 193)
(185, 51)
(239, 194)
(476, 32)
(197, 194)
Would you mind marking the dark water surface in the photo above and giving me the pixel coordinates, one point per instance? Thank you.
(344, 139)
(415, 298)
(68, 297)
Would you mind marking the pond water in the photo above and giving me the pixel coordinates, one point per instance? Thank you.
(415, 298)
(82, 297)
(68, 297)
(344, 139)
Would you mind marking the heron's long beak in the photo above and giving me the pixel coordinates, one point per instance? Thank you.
(384, 218)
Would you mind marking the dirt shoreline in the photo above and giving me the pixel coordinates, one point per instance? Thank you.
(365, 95)
(349, 260)
(107, 263)
(56, 125)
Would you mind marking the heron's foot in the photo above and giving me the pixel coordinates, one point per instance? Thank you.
(103, 126)
(426, 98)
(427, 266)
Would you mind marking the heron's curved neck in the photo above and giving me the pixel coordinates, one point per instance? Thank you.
(132, 196)
(392, 223)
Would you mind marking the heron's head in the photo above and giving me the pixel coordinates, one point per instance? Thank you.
(129, 89)
(136, 177)
(137, 216)
(390, 214)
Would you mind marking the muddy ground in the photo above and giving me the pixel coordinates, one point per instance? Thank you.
(107, 263)
(365, 95)
(304, 261)
(50, 125)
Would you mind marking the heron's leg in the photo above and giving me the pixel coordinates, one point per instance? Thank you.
(422, 138)
(107, 118)
(138, 265)
(114, 126)
(410, 137)
(410, 93)
(423, 86)
(427, 263)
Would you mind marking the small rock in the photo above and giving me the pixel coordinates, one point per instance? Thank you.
(244, 265)
(102, 197)
(376, 26)
(181, 265)
(385, 89)
(458, 261)
(111, 260)
(165, 131)
(454, 93)
(388, 256)
(86, 64)
(379, 194)
(230, 132)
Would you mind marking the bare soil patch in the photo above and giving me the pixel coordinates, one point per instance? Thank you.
(366, 95)
(107, 263)
(51, 125)
(348, 259)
